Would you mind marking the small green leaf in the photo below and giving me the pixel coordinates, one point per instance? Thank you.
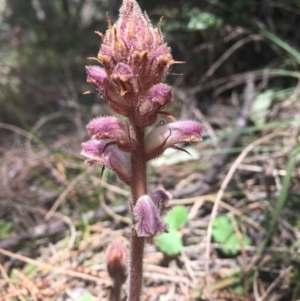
(238, 289)
(177, 217)
(223, 233)
(260, 106)
(234, 242)
(222, 228)
(87, 297)
(169, 243)
(5, 229)
(30, 269)
(200, 20)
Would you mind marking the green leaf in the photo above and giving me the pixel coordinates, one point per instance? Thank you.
(87, 297)
(260, 106)
(222, 228)
(169, 243)
(238, 289)
(177, 217)
(234, 242)
(30, 269)
(200, 20)
(5, 229)
(223, 233)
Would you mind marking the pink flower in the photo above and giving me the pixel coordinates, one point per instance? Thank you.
(109, 156)
(148, 219)
(113, 129)
(172, 135)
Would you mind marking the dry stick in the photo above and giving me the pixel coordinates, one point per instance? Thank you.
(227, 54)
(8, 280)
(221, 159)
(243, 251)
(53, 228)
(62, 271)
(57, 227)
(274, 283)
(63, 196)
(240, 123)
(224, 185)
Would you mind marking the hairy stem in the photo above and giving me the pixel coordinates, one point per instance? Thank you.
(138, 188)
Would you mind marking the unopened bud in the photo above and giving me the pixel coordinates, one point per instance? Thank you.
(116, 259)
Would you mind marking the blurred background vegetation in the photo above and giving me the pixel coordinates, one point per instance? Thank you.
(44, 46)
(43, 112)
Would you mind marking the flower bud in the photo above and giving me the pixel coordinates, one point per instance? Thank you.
(157, 97)
(124, 77)
(172, 135)
(109, 156)
(107, 89)
(148, 220)
(116, 259)
(113, 129)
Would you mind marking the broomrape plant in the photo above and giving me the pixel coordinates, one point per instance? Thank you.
(135, 61)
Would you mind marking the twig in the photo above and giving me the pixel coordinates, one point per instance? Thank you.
(221, 159)
(224, 185)
(227, 54)
(240, 123)
(243, 251)
(274, 283)
(58, 270)
(54, 228)
(63, 196)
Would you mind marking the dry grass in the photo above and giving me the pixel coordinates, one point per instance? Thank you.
(46, 184)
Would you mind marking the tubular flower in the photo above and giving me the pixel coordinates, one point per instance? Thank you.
(109, 156)
(172, 135)
(148, 218)
(113, 129)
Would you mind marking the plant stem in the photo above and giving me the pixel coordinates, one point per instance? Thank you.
(115, 292)
(138, 188)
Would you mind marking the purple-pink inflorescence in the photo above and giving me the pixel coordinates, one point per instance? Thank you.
(134, 63)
